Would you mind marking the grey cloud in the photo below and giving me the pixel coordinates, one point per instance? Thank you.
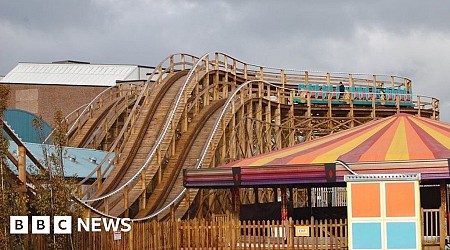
(392, 37)
(53, 15)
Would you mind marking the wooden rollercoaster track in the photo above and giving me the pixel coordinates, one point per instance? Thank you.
(266, 119)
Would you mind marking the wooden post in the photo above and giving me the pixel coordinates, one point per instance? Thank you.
(313, 232)
(172, 63)
(373, 114)
(283, 84)
(309, 197)
(126, 202)
(306, 77)
(22, 167)
(155, 233)
(107, 205)
(99, 177)
(216, 61)
(245, 72)
(418, 106)
(275, 194)
(236, 202)
(187, 200)
(351, 114)
(233, 233)
(443, 214)
(200, 209)
(130, 238)
(256, 191)
(284, 209)
(23, 188)
(144, 193)
(397, 103)
(172, 213)
(291, 235)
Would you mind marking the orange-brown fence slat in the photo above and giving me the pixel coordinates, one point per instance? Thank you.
(225, 233)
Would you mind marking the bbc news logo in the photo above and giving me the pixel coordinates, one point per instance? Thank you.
(63, 224)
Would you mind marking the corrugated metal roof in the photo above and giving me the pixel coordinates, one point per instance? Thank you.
(71, 74)
(77, 161)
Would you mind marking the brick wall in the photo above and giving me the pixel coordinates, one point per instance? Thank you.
(44, 100)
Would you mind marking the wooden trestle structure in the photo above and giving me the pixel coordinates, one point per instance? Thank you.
(162, 127)
(175, 121)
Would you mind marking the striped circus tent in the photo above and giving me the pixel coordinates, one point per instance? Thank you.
(398, 144)
(401, 137)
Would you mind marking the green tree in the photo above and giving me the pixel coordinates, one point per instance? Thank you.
(54, 192)
(13, 201)
(51, 195)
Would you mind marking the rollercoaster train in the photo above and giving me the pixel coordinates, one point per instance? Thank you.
(358, 95)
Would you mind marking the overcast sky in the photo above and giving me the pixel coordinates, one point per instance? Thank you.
(407, 38)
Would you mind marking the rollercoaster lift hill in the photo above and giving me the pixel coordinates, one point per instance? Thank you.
(265, 109)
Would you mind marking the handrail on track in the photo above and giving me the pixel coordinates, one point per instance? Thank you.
(66, 119)
(199, 162)
(88, 106)
(208, 143)
(160, 71)
(245, 69)
(203, 154)
(158, 141)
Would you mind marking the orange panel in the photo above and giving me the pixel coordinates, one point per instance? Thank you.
(366, 200)
(400, 201)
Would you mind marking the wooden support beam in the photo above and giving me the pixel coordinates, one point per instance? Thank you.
(237, 136)
(236, 201)
(187, 201)
(373, 113)
(200, 209)
(22, 166)
(248, 123)
(143, 198)
(291, 121)
(284, 207)
(126, 202)
(278, 138)
(443, 214)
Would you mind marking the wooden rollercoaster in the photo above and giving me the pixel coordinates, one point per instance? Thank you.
(204, 112)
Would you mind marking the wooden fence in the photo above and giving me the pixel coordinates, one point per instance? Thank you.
(431, 226)
(213, 234)
(225, 233)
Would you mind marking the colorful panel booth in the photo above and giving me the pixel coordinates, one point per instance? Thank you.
(383, 211)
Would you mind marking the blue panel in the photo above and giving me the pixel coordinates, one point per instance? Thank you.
(21, 122)
(366, 235)
(401, 235)
(77, 161)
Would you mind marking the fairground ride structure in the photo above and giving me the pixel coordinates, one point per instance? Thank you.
(203, 112)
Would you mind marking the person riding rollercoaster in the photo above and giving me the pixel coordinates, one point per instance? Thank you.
(341, 90)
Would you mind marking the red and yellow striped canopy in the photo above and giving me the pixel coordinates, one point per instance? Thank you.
(401, 137)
